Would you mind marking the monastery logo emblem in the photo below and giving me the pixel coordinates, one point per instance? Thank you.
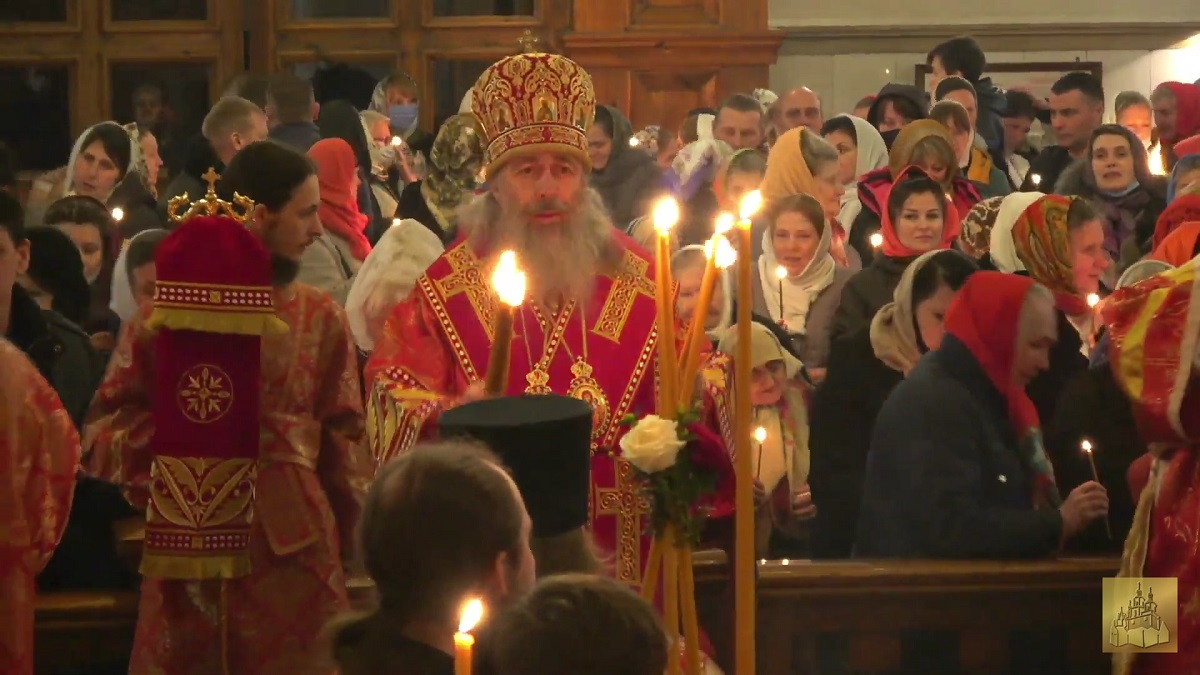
(1141, 614)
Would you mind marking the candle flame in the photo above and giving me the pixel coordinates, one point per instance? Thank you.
(750, 204)
(1093, 299)
(118, 213)
(876, 240)
(395, 222)
(633, 142)
(472, 612)
(509, 280)
(724, 223)
(760, 434)
(665, 215)
(1156, 161)
(1036, 179)
(1086, 446)
(781, 272)
(396, 141)
(726, 256)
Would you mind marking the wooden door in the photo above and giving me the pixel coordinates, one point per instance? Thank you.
(444, 45)
(79, 62)
(658, 59)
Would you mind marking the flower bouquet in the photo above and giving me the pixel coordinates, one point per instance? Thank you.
(687, 477)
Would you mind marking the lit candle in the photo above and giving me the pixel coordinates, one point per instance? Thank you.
(1036, 179)
(395, 222)
(1156, 161)
(118, 214)
(464, 642)
(1093, 299)
(781, 274)
(633, 142)
(719, 255)
(1086, 446)
(509, 283)
(876, 240)
(744, 567)
(396, 142)
(665, 216)
(760, 437)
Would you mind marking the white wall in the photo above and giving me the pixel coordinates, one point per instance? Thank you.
(841, 80)
(815, 13)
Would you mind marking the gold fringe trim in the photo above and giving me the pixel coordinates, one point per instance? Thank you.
(1133, 555)
(228, 323)
(163, 566)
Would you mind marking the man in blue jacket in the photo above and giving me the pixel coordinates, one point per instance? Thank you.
(962, 56)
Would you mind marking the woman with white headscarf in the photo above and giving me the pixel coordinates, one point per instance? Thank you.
(102, 156)
(861, 149)
(135, 273)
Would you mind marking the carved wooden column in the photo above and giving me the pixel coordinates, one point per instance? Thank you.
(657, 59)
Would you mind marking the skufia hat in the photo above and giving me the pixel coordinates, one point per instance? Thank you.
(545, 441)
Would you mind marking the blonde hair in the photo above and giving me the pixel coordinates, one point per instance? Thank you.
(952, 115)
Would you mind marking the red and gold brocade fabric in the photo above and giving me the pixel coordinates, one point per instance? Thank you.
(39, 457)
(437, 343)
(313, 470)
(1155, 327)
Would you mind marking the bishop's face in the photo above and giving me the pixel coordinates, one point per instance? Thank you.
(542, 188)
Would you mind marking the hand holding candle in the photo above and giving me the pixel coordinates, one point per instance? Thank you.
(760, 437)
(509, 283)
(1086, 447)
(464, 642)
(665, 216)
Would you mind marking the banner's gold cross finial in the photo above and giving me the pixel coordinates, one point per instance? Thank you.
(528, 41)
(211, 177)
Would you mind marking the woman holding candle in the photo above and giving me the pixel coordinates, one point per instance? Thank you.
(781, 459)
(804, 300)
(919, 219)
(864, 367)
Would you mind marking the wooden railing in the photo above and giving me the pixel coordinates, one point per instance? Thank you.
(835, 618)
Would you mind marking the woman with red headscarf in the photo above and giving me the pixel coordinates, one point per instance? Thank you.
(956, 467)
(1176, 115)
(918, 219)
(331, 262)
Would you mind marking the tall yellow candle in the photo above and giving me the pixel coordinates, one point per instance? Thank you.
(464, 642)
(720, 256)
(509, 283)
(671, 600)
(664, 217)
(744, 564)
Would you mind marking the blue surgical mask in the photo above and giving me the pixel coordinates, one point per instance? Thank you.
(402, 116)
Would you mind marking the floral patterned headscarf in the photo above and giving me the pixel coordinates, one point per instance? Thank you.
(456, 161)
(1043, 243)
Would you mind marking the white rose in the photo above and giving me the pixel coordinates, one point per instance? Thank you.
(652, 444)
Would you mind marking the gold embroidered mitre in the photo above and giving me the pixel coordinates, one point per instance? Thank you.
(534, 102)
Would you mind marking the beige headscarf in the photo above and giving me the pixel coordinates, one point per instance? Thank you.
(893, 334)
(787, 172)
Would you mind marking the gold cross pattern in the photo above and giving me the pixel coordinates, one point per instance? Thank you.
(528, 42)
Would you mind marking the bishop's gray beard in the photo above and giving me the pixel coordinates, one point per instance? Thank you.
(560, 261)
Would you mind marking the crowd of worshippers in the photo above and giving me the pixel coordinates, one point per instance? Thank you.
(930, 370)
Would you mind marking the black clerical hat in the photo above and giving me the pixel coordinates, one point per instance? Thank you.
(545, 440)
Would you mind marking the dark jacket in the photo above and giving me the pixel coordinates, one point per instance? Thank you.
(296, 135)
(1067, 362)
(1048, 166)
(944, 475)
(630, 180)
(412, 205)
(139, 207)
(86, 557)
(1093, 407)
(199, 158)
(843, 414)
(865, 293)
(989, 123)
(60, 350)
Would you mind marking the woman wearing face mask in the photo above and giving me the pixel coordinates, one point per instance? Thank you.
(100, 159)
(627, 178)
(455, 172)
(861, 150)
(804, 300)
(801, 162)
(1116, 176)
(863, 369)
(1059, 241)
(919, 219)
(89, 224)
(925, 144)
(784, 501)
(956, 468)
(398, 97)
